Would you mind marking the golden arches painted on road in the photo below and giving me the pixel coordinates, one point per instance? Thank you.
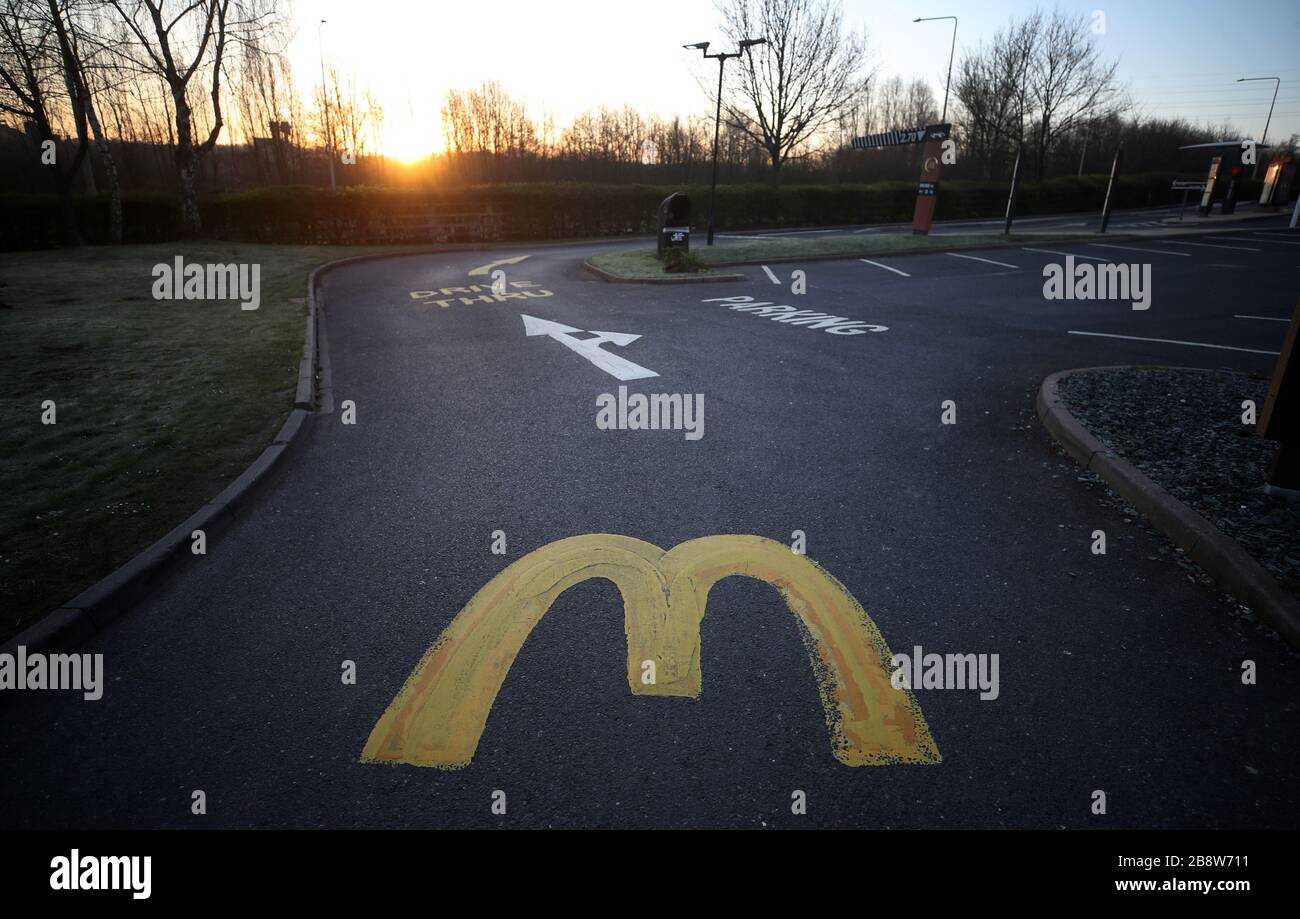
(438, 716)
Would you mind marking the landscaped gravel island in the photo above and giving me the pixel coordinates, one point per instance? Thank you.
(1183, 429)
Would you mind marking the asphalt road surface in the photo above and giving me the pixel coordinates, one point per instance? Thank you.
(1117, 672)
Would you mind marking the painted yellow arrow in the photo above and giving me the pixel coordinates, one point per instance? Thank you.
(484, 269)
(437, 718)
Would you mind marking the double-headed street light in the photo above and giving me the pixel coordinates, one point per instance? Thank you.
(1263, 141)
(721, 58)
(944, 118)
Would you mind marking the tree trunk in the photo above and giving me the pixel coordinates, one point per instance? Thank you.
(110, 172)
(186, 165)
(191, 221)
(70, 229)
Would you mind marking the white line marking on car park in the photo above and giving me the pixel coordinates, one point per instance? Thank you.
(1135, 249)
(1066, 254)
(1172, 341)
(1173, 242)
(987, 261)
(886, 267)
(1237, 239)
(1255, 237)
(773, 278)
(1265, 318)
(1286, 235)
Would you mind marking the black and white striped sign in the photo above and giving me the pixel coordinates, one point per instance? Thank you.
(902, 136)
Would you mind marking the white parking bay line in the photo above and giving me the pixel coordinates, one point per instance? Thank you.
(1174, 242)
(1135, 249)
(1172, 341)
(1265, 318)
(1092, 258)
(1255, 238)
(886, 267)
(986, 261)
(773, 278)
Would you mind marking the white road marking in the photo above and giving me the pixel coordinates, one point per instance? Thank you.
(1263, 242)
(987, 261)
(886, 267)
(1172, 242)
(1276, 242)
(1172, 341)
(484, 269)
(774, 279)
(1135, 249)
(1265, 318)
(1264, 233)
(1066, 254)
(590, 348)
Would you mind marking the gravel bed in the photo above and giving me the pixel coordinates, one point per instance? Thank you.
(1183, 429)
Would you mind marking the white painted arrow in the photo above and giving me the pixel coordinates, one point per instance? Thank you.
(484, 269)
(590, 348)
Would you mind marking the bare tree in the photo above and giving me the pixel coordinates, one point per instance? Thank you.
(69, 20)
(1069, 82)
(783, 93)
(992, 89)
(31, 70)
(177, 48)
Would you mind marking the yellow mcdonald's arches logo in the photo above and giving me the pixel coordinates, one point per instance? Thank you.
(438, 716)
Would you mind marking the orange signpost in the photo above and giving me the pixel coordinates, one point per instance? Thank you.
(935, 137)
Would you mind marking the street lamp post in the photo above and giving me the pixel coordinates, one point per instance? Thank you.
(1263, 141)
(721, 57)
(951, 53)
(325, 98)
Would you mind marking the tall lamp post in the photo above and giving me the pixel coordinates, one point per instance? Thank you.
(721, 57)
(1263, 141)
(951, 53)
(325, 97)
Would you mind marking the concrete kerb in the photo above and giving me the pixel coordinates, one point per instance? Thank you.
(611, 278)
(1221, 557)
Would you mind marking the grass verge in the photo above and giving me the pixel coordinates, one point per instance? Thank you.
(160, 404)
(641, 264)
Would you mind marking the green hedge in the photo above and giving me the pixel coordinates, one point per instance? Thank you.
(552, 211)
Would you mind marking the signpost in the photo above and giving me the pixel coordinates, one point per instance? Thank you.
(927, 193)
(1011, 196)
(1280, 420)
(1185, 187)
(1110, 188)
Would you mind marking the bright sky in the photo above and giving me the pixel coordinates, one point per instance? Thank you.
(1179, 57)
